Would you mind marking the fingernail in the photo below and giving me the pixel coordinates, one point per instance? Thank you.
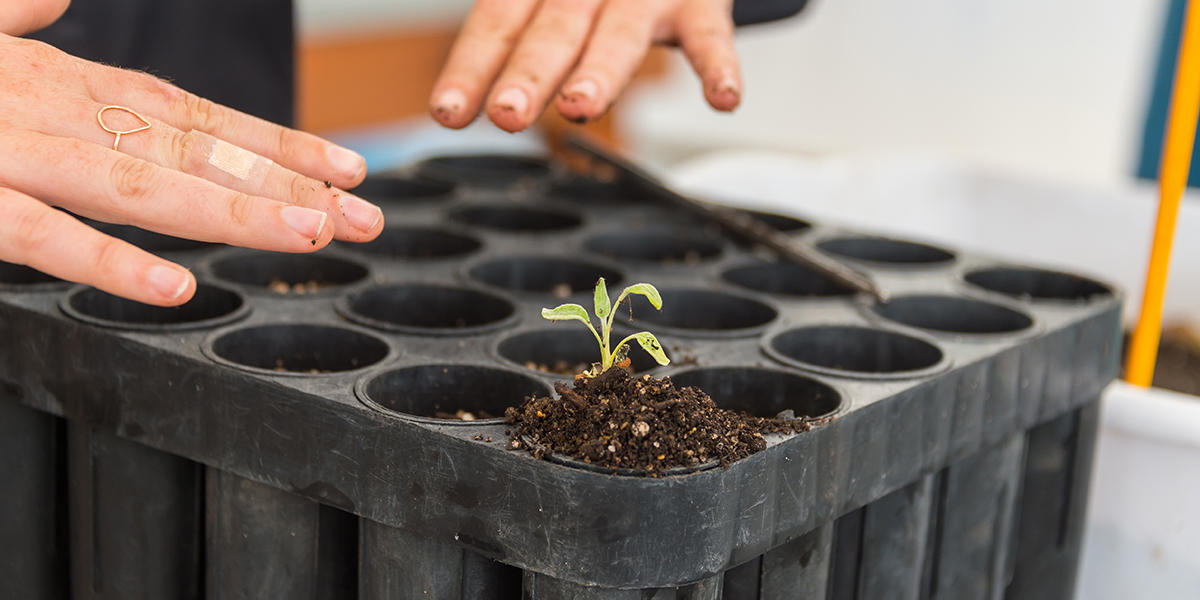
(358, 212)
(304, 221)
(450, 102)
(584, 89)
(169, 282)
(346, 162)
(727, 85)
(513, 99)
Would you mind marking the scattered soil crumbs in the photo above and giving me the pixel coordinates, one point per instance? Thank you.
(279, 368)
(560, 367)
(619, 420)
(561, 291)
(462, 415)
(280, 286)
(1178, 365)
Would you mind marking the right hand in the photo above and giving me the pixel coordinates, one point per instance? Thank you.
(167, 178)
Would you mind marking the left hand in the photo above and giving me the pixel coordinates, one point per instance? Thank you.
(513, 56)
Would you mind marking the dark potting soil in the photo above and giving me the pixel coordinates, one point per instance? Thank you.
(1178, 364)
(622, 421)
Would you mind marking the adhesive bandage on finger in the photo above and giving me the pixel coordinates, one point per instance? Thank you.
(212, 158)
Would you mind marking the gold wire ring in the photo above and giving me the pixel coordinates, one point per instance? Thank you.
(119, 133)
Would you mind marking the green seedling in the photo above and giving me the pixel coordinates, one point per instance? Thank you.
(610, 355)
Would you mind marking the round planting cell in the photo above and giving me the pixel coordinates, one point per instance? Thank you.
(780, 223)
(655, 246)
(560, 276)
(786, 279)
(954, 315)
(288, 273)
(519, 219)
(763, 392)
(696, 312)
(847, 349)
(484, 169)
(400, 190)
(299, 349)
(1037, 284)
(417, 243)
(427, 309)
(563, 351)
(149, 240)
(886, 251)
(447, 394)
(210, 306)
(14, 275)
(586, 190)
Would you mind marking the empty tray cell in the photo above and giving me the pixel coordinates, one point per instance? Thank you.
(953, 314)
(16, 276)
(854, 351)
(449, 393)
(563, 351)
(519, 219)
(1037, 284)
(786, 279)
(886, 251)
(655, 246)
(299, 349)
(417, 243)
(699, 313)
(586, 190)
(484, 169)
(763, 392)
(210, 306)
(427, 308)
(288, 273)
(385, 189)
(149, 240)
(780, 223)
(560, 276)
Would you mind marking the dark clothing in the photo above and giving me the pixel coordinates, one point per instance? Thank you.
(239, 53)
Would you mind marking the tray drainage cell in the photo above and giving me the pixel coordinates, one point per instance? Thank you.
(149, 240)
(417, 243)
(698, 313)
(856, 351)
(763, 392)
(484, 169)
(562, 351)
(1037, 284)
(779, 223)
(210, 306)
(14, 276)
(449, 394)
(427, 309)
(950, 314)
(655, 246)
(588, 191)
(298, 349)
(288, 273)
(785, 279)
(886, 251)
(559, 276)
(400, 190)
(516, 219)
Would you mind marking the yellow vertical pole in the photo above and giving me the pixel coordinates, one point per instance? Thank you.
(1173, 174)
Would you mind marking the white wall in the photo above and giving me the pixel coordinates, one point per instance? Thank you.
(1052, 88)
(320, 18)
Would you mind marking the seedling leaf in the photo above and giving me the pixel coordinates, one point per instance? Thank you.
(566, 312)
(602, 305)
(650, 344)
(644, 289)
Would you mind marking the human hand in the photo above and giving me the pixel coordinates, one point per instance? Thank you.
(200, 171)
(520, 53)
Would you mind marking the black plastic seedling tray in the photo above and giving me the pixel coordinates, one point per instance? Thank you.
(263, 444)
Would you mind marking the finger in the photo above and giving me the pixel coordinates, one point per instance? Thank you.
(615, 51)
(53, 242)
(154, 98)
(482, 46)
(705, 29)
(550, 46)
(205, 156)
(110, 186)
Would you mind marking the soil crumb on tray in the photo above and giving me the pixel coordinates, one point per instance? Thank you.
(620, 420)
(280, 286)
